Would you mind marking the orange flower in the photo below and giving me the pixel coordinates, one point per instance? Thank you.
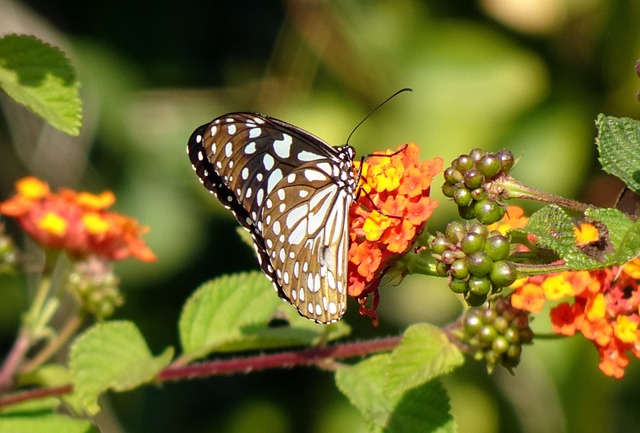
(390, 212)
(528, 297)
(605, 309)
(513, 219)
(77, 223)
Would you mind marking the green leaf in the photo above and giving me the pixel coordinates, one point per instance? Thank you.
(42, 79)
(619, 146)
(233, 313)
(399, 392)
(111, 355)
(37, 416)
(47, 422)
(50, 375)
(424, 353)
(554, 230)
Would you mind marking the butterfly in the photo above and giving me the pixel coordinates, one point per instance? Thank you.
(292, 191)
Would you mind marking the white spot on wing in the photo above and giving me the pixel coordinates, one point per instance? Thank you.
(268, 162)
(282, 147)
(307, 156)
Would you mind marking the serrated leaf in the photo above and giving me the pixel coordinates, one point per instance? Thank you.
(48, 422)
(42, 79)
(112, 355)
(424, 353)
(424, 408)
(619, 147)
(363, 384)
(554, 230)
(233, 312)
(624, 234)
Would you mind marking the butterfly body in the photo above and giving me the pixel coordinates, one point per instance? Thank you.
(292, 192)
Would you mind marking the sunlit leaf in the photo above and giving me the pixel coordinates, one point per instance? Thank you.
(42, 79)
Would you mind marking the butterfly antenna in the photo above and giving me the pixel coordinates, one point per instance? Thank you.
(406, 89)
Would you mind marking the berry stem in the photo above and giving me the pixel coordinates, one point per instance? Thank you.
(509, 188)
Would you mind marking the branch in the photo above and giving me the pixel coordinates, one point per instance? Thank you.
(320, 356)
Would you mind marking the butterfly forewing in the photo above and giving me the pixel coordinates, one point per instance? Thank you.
(292, 191)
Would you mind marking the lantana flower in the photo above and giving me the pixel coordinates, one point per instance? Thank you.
(76, 222)
(391, 210)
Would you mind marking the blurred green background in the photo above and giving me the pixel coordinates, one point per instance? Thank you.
(528, 75)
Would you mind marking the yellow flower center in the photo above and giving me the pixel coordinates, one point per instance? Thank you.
(53, 223)
(625, 329)
(95, 223)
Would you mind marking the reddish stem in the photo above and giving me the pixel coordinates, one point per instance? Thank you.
(315, 355)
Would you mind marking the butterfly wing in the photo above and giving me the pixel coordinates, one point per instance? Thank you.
(292, 192)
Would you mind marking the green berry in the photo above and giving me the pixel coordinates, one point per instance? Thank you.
(454, 231)
(487, 334)
(489, 165)
(463, 163)
(473, 178)
(462, 196)
(442, 268)
(489, 315)
(502, 273)
(506, 160)
(476, 154)
(458, 286)
(459, 269)
(512, 335)
(500, 345)
(478, 228)
(501, 324)
(448, 190)
(472, 243)
(479, 263)
(466, 212)
(440, 244)
(453, 176)
(488, 211)
(497, 247)
(474, 300)
(472, 323)
(478, 194)
(479, 286)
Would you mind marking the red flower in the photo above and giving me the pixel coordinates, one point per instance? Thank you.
(77, 223)
(389, 214)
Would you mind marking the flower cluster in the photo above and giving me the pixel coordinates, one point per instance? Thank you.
(390, 212)
(604, 309)
(603, 304)
(76, 222)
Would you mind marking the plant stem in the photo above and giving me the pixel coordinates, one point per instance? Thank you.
(13, 359)
(55, 344)
(510, 188)
(314, 355)
(321, 356)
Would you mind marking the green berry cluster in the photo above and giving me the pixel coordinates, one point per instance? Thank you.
(474, 259)
(95, 287)
(496, 334)
(465, 183)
